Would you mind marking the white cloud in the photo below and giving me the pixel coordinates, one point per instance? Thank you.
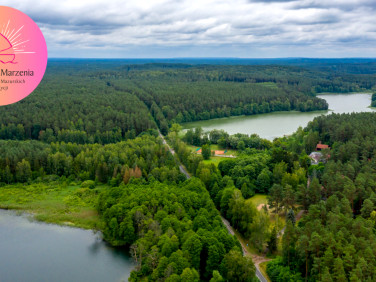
(168, 28)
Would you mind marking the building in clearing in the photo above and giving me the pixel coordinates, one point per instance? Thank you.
(320, 147)
(216, 152)
(317, 157)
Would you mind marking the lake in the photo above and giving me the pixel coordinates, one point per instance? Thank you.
(278, 124)
(34, 251)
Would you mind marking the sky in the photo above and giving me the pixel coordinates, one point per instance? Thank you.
(204, 28)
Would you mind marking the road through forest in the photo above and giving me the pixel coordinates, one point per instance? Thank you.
(255, 258)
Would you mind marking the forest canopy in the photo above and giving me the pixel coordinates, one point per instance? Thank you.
(104, 102)
(93, 124)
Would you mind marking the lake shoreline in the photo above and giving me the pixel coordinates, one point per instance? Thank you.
(32, 250)
(33, 217)
(59, 204)
(278, 124)
(347, 93)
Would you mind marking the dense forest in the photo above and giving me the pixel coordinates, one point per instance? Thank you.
(336, 240)
(173, 232)
(96, 123)
(75, 108)
(107, 101)
(25, 161)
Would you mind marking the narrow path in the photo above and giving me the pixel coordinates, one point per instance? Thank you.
(255, 258)
(298, 216)
(181, 167)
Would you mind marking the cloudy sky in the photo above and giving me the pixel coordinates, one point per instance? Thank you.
(205, 28)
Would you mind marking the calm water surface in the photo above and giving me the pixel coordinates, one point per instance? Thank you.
(277, 124)
(33, 251)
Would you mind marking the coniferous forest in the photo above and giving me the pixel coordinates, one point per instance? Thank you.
(95, 126)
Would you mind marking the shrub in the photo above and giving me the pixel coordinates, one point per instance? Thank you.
(88, 184)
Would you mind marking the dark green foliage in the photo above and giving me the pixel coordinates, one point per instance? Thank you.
(336, 240)
(373, 102)
(291, 216)
(236, 267)
(250, 169)
(91, 102)
(224, 140)
(88, 184)
(159, 221)
(23, 171)
(185, 101)
(276, 197)
(144, 155)
(278, 272)
(206, 152)
(75, 107)
(97, 123)
(272, 243)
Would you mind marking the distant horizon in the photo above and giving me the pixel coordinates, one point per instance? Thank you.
(206, 28)
(214, 58)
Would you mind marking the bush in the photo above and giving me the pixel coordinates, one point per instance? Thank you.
(373, 103)
(206, 152)
(88, 184)
(278, 272)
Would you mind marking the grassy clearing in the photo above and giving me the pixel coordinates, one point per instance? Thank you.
(261, 199)
(213, 147)
(213, 159)
(54, 203)
(262, 267)
(258, 199)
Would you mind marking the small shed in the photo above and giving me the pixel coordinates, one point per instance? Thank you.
(321, 146)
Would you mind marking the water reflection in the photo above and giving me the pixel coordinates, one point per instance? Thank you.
(33, 251)
(278, 124)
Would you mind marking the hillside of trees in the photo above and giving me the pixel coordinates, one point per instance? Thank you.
(108, 101)
(143, 157)
(174, 233)
(336, 240)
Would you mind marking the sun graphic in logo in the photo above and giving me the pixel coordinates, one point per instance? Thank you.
(11, 43)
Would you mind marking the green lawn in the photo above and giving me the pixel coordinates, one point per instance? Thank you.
(258, 199)
(65, 205)
(212, 147)
(213, 160)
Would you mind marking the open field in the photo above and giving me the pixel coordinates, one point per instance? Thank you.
(213, 159)
(258, 199)
(213, 147)
(54, 203)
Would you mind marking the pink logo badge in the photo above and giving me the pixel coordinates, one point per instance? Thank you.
(23, 55)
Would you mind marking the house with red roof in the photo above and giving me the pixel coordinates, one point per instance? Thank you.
(320, 146)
